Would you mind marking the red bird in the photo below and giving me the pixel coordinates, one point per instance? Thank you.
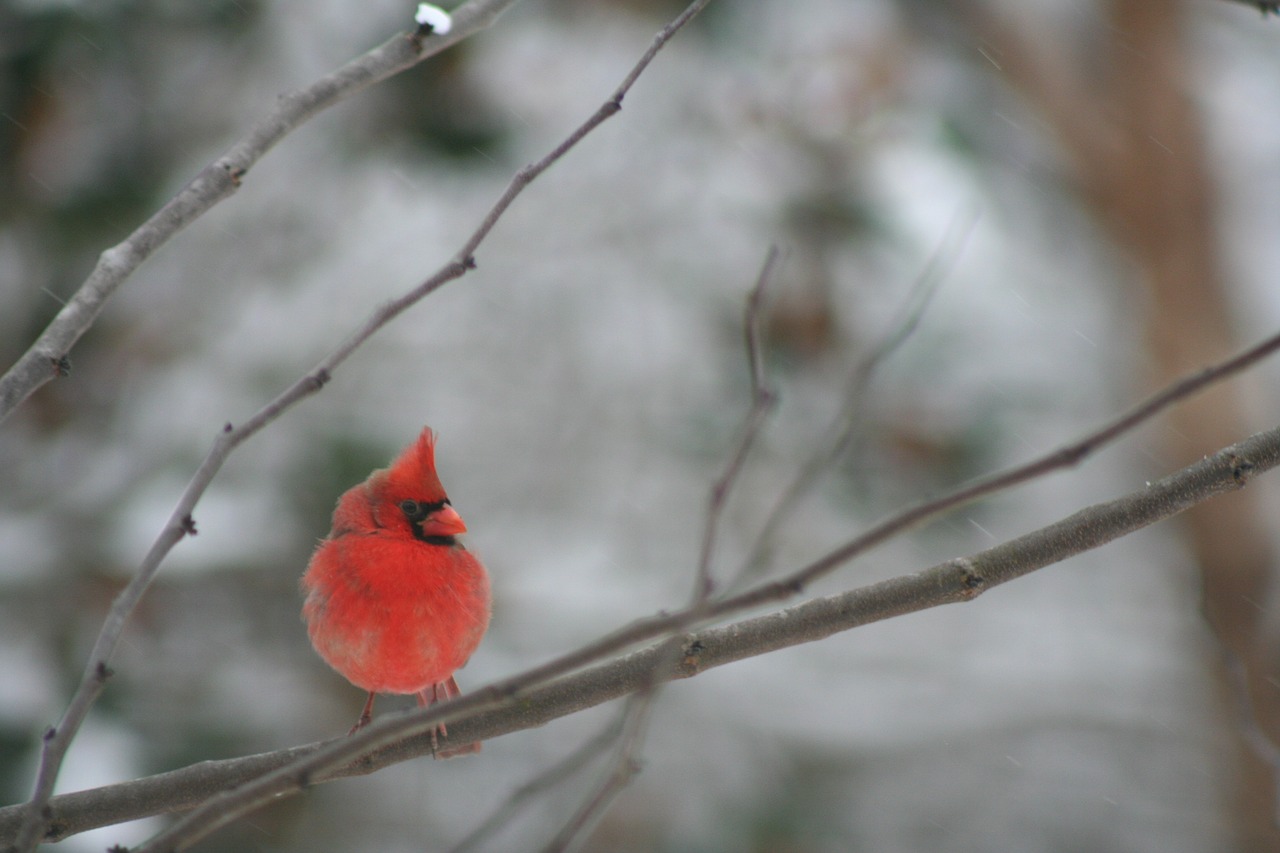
(394, 601)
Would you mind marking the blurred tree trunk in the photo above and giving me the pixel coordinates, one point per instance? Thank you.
(1136, 143)
(1160, 207)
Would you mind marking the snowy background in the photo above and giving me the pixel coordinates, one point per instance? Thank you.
(587, 383)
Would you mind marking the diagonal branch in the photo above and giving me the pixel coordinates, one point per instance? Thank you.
(763, 401)
(582, 755)
(1227, 470)
(841, 431)
(47, 358)
(181, 522)
(954, 581)
(626, 762)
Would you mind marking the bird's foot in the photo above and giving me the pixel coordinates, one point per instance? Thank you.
(441, 692)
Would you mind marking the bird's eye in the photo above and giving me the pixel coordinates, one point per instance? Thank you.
(409, 507)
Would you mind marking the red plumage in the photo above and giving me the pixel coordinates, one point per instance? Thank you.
(394, 601)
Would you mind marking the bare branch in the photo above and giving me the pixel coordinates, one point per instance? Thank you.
(544, 781)
(607, 110)
(181, 522)
(626, 764)
(47, 358)
(763, 401)
(1066, 457)
(483, 715)
(625, 767)
(955, 581)
(840, 433)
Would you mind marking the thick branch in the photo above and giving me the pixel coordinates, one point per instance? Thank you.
(229, 804)
(951, 582)
(226, 806)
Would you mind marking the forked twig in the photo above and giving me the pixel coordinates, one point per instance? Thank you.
(763, 401)
(840, 432)
(639, 706)
(625, 767)
(544, 781)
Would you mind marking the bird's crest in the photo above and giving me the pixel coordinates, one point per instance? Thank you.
(413, 473)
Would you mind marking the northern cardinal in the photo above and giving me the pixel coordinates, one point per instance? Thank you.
(394, 601)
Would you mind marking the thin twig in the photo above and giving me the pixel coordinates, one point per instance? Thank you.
(844, 424)
(626, 765)
(1066, 457)
(544, 781)
(902, 596)
(181, 522)
(48, 357)
(624, 768)
(607, 110)
(763, 401)
(487, 714)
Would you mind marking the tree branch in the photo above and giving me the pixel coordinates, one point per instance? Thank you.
(581, 756)
(181, 522)
(954, 581)
(626, 763)
(840, 432)
(47, 358)
(763, 401)
(960, 584)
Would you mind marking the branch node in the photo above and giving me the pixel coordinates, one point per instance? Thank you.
(189, 525)
(49, 734)
(235, 173)
(61, 366)
(1242, 469)
(227, 427)
(972, 583)
(691, 659)
(319, 379)
(102, 672)
(469, 262)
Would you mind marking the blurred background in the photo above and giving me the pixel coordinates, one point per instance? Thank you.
(1096, 185)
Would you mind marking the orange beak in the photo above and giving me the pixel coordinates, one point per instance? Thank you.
(444, 522)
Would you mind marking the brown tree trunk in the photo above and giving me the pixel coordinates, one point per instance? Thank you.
(1135, 140)
(1159, 205)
